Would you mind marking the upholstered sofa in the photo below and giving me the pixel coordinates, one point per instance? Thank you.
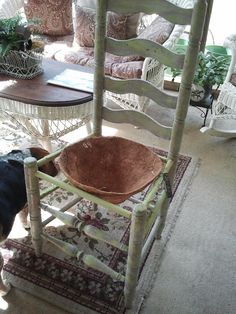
(68, 28)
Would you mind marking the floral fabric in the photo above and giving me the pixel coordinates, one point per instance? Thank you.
(54, 16)
(116, 66)
(159, 30)
(85, 26)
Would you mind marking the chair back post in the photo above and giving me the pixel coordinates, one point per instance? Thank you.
(100, 33)
(195, 36)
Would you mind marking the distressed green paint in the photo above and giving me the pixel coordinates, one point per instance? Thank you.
(62, 209)
(100, 235)
(99, 51)
(187, 78)
(155, 212)
(134, 253)
(89, 230)
(145, 48)
(147, 219)
(33, 199)
(138, 119)
(141, 88)
(164, 8)
(88, 260)
(119, 210)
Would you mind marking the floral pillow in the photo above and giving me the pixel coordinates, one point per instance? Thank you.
(159, 30)
(54, 16)
(85, 26)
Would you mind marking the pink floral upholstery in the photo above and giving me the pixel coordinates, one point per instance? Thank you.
(159, 30)
(115, 66)
(85, 26)
(55, 16)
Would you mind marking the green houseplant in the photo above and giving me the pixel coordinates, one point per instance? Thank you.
(20, 56)
(14, 35)
(210, 72)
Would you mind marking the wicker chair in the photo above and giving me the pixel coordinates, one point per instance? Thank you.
(147, 218)
(223, 118)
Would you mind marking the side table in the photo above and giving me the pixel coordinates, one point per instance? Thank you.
(206, 104)
(42, 110)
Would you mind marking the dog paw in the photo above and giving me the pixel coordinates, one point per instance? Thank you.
(5, 287)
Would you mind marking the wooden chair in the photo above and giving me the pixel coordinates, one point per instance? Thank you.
(147, 219)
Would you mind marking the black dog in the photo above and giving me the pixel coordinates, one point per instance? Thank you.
(12, 186)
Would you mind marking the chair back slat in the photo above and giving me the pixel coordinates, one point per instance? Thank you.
(150, 49)
(166, 9)
(141, 88)
(145, 48)
(138, 119)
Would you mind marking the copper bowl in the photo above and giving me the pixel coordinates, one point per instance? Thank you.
(111, 168)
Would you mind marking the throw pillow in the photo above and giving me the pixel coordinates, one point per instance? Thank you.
(85, 26)
(132, 19)
(159, 30)
(54, 16)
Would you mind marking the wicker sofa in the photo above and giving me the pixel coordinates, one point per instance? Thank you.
(68, 30)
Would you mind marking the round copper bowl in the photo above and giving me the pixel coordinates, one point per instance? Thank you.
(112, 168)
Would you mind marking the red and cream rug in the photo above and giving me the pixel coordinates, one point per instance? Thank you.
(65, 281)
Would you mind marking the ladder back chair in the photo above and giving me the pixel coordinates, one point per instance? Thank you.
(147, 218)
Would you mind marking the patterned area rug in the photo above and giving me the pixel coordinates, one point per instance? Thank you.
(65, 281)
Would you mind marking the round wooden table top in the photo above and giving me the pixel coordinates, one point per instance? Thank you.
(38, 92)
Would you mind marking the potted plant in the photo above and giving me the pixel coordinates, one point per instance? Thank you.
(20, 56)
(210, 72)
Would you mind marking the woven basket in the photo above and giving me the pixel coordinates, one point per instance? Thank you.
(23, 65)
(112, 168)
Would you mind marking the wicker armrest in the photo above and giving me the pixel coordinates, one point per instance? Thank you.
(10, 8)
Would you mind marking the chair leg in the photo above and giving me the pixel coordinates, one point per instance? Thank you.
(4, 286)
(89, 127)
(134, 253)
(162, 220)
(33, 196)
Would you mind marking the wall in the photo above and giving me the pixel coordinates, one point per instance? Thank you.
(222, 21)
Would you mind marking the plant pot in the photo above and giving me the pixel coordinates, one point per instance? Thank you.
(199, 93)
(23, 65)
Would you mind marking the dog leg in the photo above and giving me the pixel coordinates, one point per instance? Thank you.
(4, 285)
(23, 215)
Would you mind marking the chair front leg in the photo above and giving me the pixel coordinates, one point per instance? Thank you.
(137, 231)
(33, 198)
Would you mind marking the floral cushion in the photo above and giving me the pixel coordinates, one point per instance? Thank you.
(132, 19)
(54, 16)
(115, 66)
(85, 26)
(159, 30)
